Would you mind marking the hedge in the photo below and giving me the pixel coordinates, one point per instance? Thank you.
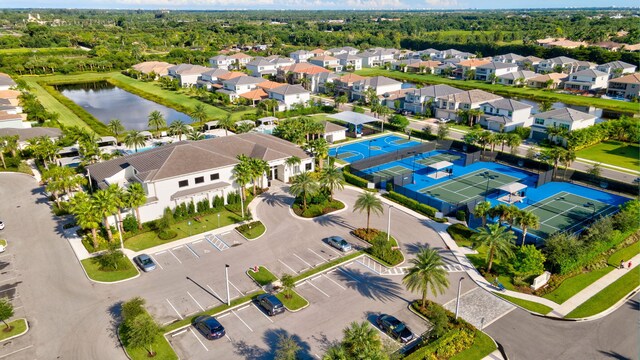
(353, 179)
(412, 204)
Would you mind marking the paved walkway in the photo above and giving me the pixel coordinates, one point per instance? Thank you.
(34, 169)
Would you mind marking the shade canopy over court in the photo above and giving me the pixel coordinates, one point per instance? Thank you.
(513, 187)
(441, 165)
(353, 117)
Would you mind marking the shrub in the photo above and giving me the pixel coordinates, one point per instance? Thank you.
(461, 215)
(167, 234)
(130, 223)
(381, 248)
(353, 179)
(245, 227)
(412, 204)
(529, 261)
(110, 260)
(459, 232)
(399, 121)
(191, 208)
(218, 202)
(164, 223)
(523, 132)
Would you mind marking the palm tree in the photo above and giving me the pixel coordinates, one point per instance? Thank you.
(135, 198)
(115, 127)
(361, 341)
(545, 106)
(498, 240)
(226, 124)
(499, 211)
(510, 215)
(291, 162)
(556, 132)
(368, 202)
(331, 178)
(482, 210)
(194, 135)
(514, 140)
(178, 127)
(105, 204)
(320, 150)
(427, 272)
(303, 185)
(527, 220)
(567, 158)
(342, 99)
(120, 201)
(157, 121)
(199, 113)
(473, 114)
(86, 215)
(242, 174)
(554, 155)
(258, 169)
(134, 138)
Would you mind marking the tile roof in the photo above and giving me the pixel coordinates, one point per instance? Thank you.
(627, 79)
(589, 73)
(497, 65)
(331, 127)
(618, 65)
(9, 94)
(508, 104)
(550, 76)
(526, 74)
(6, 80)
(473, 62)
(5, 116)
(350, 78)
(244, 80)
(471, 97)
(324, 58)
(188, 69)
(269, 84)
(25, 134)
(257, 94)
(231, 75)
(289, 90)
(378, 81)
(305, 68)
(198, 190)
(215, 73)
(435, 91)
(158, 67)
(318, 51)
(566, 114)
(239, 56)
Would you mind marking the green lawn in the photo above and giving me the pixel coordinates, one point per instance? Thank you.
(529, 305)
(482, 346)
(252, 230)
(529, 93)
(183, 229)
(624, 254)
(19, 326)
(575, 284)
(608, 296)
(47, 51)
(161, 347)
(3, 242)
(296, 302)
(263, 276)
(461, 234)
(479, 261)
(126, 270)
(626, 155)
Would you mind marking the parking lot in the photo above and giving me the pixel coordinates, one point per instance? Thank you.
(338, 297)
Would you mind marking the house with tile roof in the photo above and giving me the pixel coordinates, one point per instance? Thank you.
(491, 70)
(566, 64)
(302, 55)
(327, 62)
(260, 67)
(26, 134)
(380, 84)
(587, 80)
(211, 79)
(464, 66)
(13, 120)
(515, 78)
(241, 59)
(627, 87)
(221, 62)
(453, 53)
(289, 96)
(565, 118)
(297, 72)
(416, 100)
(350, 62)
(616, 68)
(550, 81)
(447, 106)
(510, 58)
(192, 171)
(505, 115)
(160, 68)
(239, 85)
(6, 82)
(187, 74)
(344, 84)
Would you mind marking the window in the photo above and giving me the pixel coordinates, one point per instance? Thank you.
(183, 183)
(215, 176)
(564, 126)
(307, 167)
(510, 113)
(593, 79)
(199, 179)
(539, 121)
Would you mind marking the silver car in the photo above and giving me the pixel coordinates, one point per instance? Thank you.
(338, 243)
(145, 262)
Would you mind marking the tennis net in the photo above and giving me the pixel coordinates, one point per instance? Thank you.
(577, 212)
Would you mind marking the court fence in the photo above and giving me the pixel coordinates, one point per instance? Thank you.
(392, 156)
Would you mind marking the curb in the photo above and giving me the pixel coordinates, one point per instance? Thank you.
(110, 282)
(608, 311)
(20, 173)
(302, 308)
(22, 333)
(220, 313)
(122, 344)
(254, 280)
(319, 216)
(256, 238)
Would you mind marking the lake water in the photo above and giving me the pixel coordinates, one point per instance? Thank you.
(106, 102)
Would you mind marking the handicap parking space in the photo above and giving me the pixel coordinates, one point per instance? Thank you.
(232, 238)
(203, 247)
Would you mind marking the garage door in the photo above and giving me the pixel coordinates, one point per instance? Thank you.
(538, 135)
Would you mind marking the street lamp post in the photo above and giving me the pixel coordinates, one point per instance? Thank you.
(218, 219)
(458, 297)
(226, 276)
(120, 234)
(389, 223)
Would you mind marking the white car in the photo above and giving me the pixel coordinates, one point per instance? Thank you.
(2, 248)
(1, 225)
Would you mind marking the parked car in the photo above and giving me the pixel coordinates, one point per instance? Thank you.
(209, 327)
(443, 120)
(145, 262)
(1, 225)
(271, 304)
(395, 328)
(338, 243)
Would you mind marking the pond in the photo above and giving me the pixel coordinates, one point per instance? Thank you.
(105, 102)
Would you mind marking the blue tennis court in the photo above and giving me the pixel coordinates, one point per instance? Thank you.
(370, 147)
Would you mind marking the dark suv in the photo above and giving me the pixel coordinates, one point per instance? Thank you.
(209, 327)
(395, 328)
(270, 304)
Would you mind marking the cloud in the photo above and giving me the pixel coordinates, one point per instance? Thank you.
(442, 3)
(374, 4)
(291, 4)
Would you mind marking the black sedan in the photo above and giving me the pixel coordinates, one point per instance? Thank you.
(394, 328)
(209, 327)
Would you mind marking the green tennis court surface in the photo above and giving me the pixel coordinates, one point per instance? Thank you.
(566, 212)
(392, 171)
(464, 188)
(347, 154)
(437, 158)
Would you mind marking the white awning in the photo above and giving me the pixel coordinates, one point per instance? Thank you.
(353, 117)
(513, 187)
(440, 165)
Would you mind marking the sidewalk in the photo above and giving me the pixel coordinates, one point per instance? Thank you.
(34, 169)
(612, 167)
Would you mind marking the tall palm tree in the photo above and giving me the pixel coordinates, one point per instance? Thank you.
(303, 185)
(568, 157)
(527, 220)
(473, 114)
(135, 139)
(368, 202)
(342, 99)
(179, 128)
(514, 140)
(426, 273)
(500, 211)
(227, 123)
(482, 210)
(115, 127)
(156, 120)
(199, 113)
(135, 198)
(554, 155)
(242, 174)
(498, 240)
(320, 150)
(119, 199)
(510, 215)
(105, 204)
(331, 178)
(86, 215)
(258, 169)
(362, 341)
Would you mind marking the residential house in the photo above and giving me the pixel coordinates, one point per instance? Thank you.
(505, 115)
(519, 77)
(160, 68)
(547, 81)
(401, 65)
(281, 62)
(395, 100)
(584, 65)
(26, 134)
(447, 106)
(376, 57)
(445, 68)
(609, 45)
(187, 74)
(321, 80)
(343, 50)
(417, 99)
(530, 63)
(627, 87)
(587, 80)
(13, 120)
(464, 66)
(240, 60)
(10, 106)
(379, 84)
(255, 96)
(564, 43)
(302, 73)
(301, 56)
(319, 52)
(426, 54)
(221, 62)
(327, 62)
(509, 58)
(334, 132)
(6, 82)
(453, 53)
(565, 118)
(260, 67)
(267, 85)
(616, 68)
(566, 64)
(192, 171)
(350, 62)
(289, 96)
(210, 79)
(494, 69)
(344, 84)
(239, 85)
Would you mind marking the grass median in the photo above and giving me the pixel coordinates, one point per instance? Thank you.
(17, 327)
(575, 284)
(294, 301)
(95, 272)
(263, 276)
(529, 305)
(608, 296)
(252, 230)
(482, 346)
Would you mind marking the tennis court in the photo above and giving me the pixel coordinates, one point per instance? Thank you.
(469, 186)
(426, 161)
(566, 212)
(391, 172)
(370, 147)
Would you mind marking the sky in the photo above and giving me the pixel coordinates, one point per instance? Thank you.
(308, 4)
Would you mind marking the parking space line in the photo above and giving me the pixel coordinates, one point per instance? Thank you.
(179, 333)
(155, 261)
(196, 301)
(15, 352)
(174, 309)
(200, 341)
(9, 279)
(318, 255)
(236, 288)
(309, 265)
(174, 255)
(160, 252)
(221, 316)
(15, 287)
(239, 318)
(332, 249)
(228, 338)
(197, 241)
(351, 276)
(335, 282)
(193, 252)
(242, 308)
(263, 314)
(290, 268)
(317, 288)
